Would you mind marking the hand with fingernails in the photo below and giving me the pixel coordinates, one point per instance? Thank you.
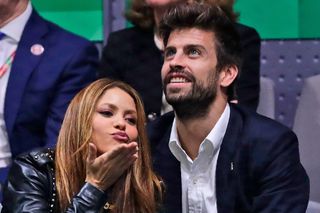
(104, 170)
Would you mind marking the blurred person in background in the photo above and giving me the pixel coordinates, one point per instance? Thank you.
(42, 67)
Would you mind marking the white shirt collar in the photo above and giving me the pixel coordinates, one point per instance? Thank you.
(217, 133)
(14, 28)
(214, 138)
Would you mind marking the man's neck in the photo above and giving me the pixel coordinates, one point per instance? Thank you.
(192, 132)
(13, 10)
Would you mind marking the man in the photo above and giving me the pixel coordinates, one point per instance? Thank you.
(214, 156)
(42, 68)
(134, 55)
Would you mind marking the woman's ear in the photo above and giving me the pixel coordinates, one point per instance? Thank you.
(228, 75)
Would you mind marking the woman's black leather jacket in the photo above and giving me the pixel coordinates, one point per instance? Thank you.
(31, 187)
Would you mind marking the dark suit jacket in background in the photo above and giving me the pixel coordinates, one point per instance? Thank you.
(131, 56)
(267, 175)
(41, 87)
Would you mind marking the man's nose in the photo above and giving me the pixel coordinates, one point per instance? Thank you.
(177, 63)
(176, 68)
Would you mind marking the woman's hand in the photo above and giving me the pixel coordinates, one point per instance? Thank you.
(104, 170)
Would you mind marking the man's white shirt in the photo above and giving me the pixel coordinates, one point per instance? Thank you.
(198, 177)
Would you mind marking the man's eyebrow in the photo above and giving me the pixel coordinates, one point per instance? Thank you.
(194, 46)
(169, 47)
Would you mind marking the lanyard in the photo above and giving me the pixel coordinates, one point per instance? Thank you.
(7, 64)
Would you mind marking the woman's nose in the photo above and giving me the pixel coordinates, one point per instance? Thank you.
(120, 124)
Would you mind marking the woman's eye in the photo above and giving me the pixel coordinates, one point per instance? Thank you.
(106, 113)
(131, 121)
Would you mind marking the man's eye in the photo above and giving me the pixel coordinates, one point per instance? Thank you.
(194, 52)
(106, 113)
(169, 53)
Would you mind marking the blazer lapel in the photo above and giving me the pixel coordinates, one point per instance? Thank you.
(23, 65)
(225, 172)
(169, 167)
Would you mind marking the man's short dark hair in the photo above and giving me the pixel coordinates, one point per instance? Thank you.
(209, 18)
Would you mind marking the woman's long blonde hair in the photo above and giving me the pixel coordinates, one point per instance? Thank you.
(140, 14)
(138, 190)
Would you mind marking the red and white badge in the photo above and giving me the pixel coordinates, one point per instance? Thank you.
(37, 49)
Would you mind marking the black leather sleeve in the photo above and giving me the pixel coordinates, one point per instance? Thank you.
(88, 200)
(29, 189)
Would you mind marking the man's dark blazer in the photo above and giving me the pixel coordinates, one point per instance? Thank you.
(131, 56)
(40, 87)
(258, 167)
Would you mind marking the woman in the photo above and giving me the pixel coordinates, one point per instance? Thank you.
(134, 55)
(101, 160)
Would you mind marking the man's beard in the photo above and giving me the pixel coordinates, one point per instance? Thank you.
(196, 103)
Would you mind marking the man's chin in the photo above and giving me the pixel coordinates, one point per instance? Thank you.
(176, 92)
(173, 99)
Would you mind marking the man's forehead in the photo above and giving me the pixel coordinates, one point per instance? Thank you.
(191, 36)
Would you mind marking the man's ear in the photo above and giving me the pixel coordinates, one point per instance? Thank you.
(228, 75)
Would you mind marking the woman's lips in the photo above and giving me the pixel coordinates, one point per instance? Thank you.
(120, 136)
